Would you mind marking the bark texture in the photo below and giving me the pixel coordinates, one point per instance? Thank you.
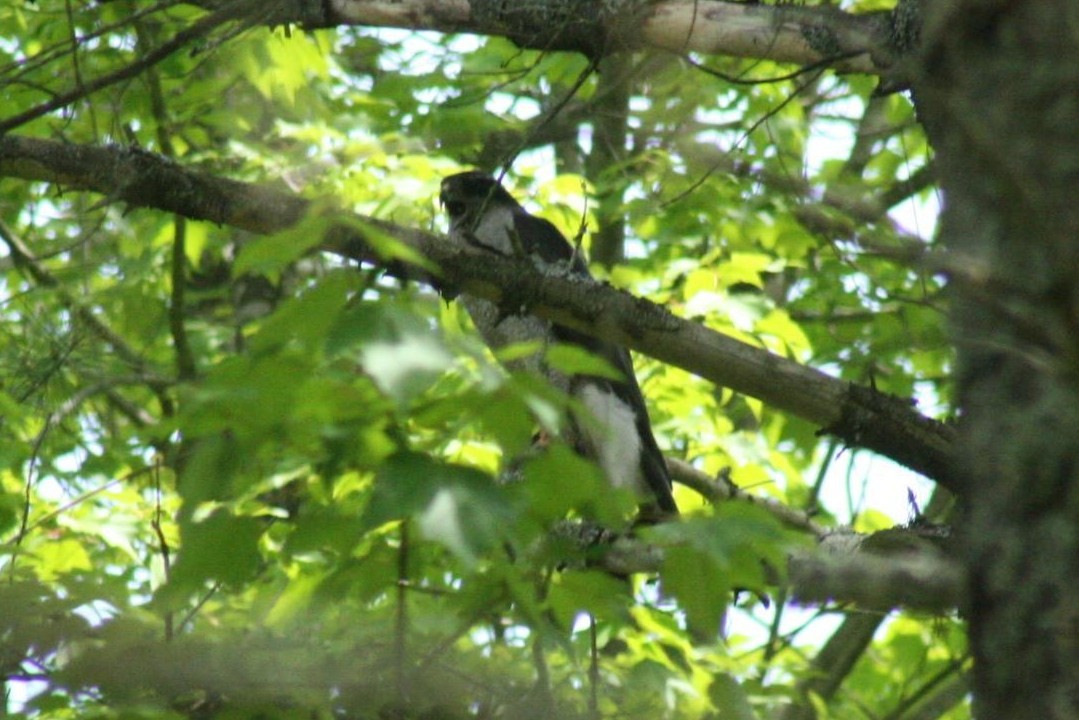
(859, 416)
(999, 94)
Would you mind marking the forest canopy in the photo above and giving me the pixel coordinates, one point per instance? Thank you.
(257, 462)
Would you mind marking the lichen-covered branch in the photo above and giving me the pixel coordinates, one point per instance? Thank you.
(859, 416)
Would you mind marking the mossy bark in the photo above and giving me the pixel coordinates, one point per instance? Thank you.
(998, 90)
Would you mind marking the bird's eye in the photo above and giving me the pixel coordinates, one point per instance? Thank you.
(455, 207)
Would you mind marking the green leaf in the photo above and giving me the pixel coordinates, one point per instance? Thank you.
(455, 506)
(270, 254)
(60, 558)
(210, 470)
(308, 318)
(387, 246)
(575, 360)
(605, 597)
(401, 354)
(509, 415)
(276, 475)
(320, 528)
(702, 588)
(220, 548)
(730, 698)
(559, 482)
(295, 602)
(406, 367)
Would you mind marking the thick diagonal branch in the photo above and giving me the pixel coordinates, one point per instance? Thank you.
(858, 415)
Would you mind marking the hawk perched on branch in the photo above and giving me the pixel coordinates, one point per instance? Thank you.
(617, 434)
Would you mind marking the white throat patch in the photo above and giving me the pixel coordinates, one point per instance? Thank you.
(494, 229)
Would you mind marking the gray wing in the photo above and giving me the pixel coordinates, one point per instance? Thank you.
(542, 239)
(653, 466)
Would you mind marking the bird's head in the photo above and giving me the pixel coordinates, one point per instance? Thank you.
(465, 195)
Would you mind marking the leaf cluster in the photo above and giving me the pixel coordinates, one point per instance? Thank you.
(240, 479)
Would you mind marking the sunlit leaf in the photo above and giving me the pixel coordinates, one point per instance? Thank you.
(455, 506)
(271, 254)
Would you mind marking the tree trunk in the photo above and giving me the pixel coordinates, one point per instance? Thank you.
(605, 164)
(998, 91)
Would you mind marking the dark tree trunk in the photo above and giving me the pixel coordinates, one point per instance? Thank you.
(998, 90)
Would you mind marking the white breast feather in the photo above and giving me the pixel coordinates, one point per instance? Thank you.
(494, 229)
(499, 328)
(612, 432)
(611, 428)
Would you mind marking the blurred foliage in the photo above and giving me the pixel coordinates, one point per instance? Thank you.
(270, 490)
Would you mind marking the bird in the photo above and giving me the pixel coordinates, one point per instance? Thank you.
(610, 424)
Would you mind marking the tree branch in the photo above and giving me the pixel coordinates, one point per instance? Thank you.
(844, 567)
(232, 10)
(25, 259)
(860, 416)
(833, 663)
(786, 33)
(922, 580)
(721, 489)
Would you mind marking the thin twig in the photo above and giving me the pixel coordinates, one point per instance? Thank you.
(548, 116)
(745, 136)
(821, 64)
(166, 554)
(593, 668)
(13, 71)
(203, 27)
(25, 258)
(401, 621)
(75, 67)
(198, 606)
